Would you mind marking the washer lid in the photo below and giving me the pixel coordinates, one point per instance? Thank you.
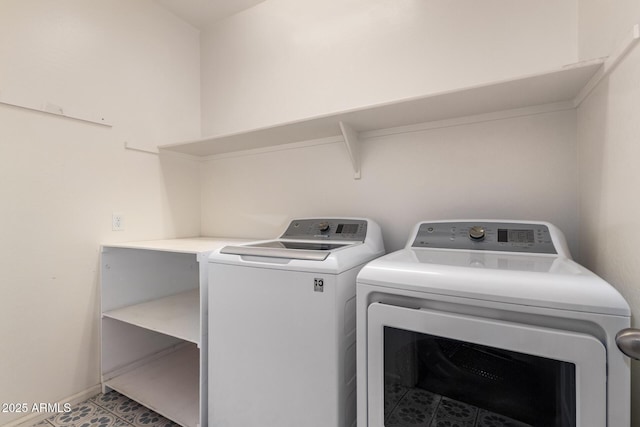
(304, 246)
(526, 279)
(311, 251)
(329, 245)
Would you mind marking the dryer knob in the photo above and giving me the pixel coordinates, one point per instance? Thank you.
(323, 226)
(476, 233)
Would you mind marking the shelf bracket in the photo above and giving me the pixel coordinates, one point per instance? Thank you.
(632, 39)
(352, 142)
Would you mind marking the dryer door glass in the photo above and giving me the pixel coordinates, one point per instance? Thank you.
(427, 377)
(430, 368)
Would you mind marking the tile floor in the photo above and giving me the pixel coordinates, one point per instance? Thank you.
(405, 407)
(108, 410)
(413, 407)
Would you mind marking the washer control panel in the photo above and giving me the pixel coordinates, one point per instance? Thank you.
(327, 229)
(487, 236)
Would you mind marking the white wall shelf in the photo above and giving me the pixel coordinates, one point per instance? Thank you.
(154, 324)
(559, 86)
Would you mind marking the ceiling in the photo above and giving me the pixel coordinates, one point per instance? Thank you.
(200, 13)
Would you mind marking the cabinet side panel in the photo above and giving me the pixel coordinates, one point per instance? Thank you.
(204, 338)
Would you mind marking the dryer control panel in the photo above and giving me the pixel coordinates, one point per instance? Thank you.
(327, 229)
(487, 236)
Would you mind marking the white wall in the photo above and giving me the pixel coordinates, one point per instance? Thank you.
(285, 59)
(608, 153)
(61, 179)
(513, 168)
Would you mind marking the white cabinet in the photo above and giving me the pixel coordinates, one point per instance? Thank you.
(154, 324)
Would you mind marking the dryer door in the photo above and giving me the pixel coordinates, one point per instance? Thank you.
(431, 368)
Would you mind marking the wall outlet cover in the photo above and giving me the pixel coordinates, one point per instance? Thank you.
(117, 222)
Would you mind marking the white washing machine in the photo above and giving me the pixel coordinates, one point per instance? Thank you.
(489, 323)
(282, 320)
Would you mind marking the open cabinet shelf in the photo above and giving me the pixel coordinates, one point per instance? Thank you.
(154, 324)
(168, 385)
(561, 85)
(175, 315)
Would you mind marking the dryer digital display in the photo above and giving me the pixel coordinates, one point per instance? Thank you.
(347, 229)
(515, 236)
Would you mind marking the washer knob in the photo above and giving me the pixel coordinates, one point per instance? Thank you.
(476, 232)
(323, 226)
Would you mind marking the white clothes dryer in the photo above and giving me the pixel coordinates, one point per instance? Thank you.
(282, 322)
(489, 323)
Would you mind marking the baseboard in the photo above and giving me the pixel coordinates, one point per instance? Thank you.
(36, 417)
